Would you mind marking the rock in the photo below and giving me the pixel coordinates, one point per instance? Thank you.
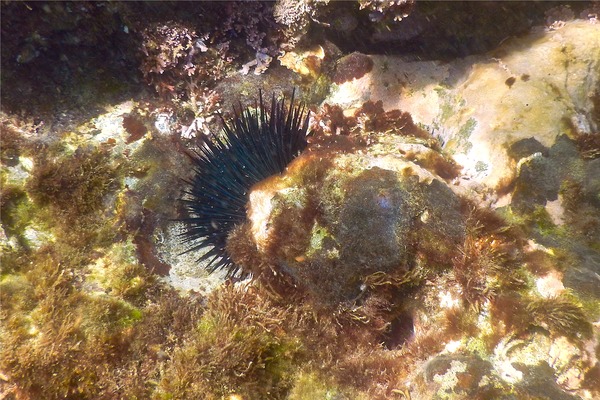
(584, 277)
(539, 382)
(525, 362)
(591, 182)
(458, 375)
(333, 219)
(374, 256)
(541, 85)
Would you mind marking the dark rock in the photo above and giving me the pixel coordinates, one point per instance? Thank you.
(539, 381)
(584, 278)
(526, 147)
(471, 369)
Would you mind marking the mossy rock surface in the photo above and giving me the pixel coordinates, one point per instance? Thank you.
(362, 214)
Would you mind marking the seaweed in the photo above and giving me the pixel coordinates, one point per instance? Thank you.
(560, 315)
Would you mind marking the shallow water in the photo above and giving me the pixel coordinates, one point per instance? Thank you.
(438, 237)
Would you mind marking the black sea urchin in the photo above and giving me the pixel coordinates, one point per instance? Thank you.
(254, 145)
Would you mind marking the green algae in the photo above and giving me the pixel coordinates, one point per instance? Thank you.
(73, 185)
(480, 166)
(464, 133)
(83, 331)
(16, 213)
(448, 103)
(560, 315)
(319, 236)
(308, 386)
(234, 350)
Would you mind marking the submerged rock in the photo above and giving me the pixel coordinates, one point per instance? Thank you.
(382, 270)
(541, 85)
(333, 219)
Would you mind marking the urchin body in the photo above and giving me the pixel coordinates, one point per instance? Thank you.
(254, 145)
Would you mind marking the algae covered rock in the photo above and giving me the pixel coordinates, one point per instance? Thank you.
(334, 219)
(381, 269)
(537, 86)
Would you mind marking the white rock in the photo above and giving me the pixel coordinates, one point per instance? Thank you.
(535, 86)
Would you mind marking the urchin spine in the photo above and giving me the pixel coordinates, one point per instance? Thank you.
(254, 145)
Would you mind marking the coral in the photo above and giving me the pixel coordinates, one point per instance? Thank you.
(295, 18)
(292, 13)
(184, 57)
(252, 21)
(205, 105)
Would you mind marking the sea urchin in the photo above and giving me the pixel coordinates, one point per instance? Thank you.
(254, 145)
